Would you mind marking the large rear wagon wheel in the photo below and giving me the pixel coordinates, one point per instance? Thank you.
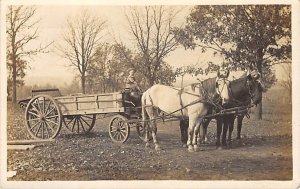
(79, 124)
(43, 117)
(118, 129)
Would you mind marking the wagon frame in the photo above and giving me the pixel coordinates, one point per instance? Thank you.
(45, 115)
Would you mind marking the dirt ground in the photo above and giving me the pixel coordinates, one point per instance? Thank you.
(264, 153)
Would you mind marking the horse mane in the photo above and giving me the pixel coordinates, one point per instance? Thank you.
(209, 85)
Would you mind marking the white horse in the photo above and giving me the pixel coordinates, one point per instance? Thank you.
(187, 102)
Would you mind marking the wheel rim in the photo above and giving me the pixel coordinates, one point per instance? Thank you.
(79, 124)
(119, 129)
(142, 131)
(43, 117)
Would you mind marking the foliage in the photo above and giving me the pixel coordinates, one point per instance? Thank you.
(247, 36)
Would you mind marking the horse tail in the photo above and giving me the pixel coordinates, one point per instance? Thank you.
(144, 113)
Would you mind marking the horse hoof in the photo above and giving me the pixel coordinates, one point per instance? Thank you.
(147, 145)
(219, 148)
(190, 148)
(157, 148)
(184, 145)
(196, 148)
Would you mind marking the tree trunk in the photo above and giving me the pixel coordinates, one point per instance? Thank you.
(14, 85)
(259, 68)
(83, 83)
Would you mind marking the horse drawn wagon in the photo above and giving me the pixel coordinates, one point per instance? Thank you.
(45, 114)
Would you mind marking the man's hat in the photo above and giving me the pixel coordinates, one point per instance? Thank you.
(131, 69)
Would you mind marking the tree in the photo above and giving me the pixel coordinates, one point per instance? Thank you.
(286, 83)
(106, 71)
(151, 28)
(80, 40)
(21, 29)
(247, 36)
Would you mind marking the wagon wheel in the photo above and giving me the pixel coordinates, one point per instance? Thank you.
(142, 131)
(118, 129)
(43, 117)
(79, 124)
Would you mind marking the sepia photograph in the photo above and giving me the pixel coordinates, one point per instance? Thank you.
(155, 94)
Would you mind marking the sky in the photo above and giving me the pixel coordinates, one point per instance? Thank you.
(50, 68)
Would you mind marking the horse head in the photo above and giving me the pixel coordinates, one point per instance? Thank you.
(222, 87)
(255, 87)
(246, 89)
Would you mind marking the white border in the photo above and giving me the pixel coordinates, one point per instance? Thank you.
(295, 183)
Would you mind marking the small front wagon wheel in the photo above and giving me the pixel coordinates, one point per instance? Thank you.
(118, 129)
(141, 130)
(43, 118)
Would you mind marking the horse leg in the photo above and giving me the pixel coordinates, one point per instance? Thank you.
(183, 130)
(204, 130)
(154, 129)
(196, 134)
(219, 131)
(225, 128)
(239, 126)
(147, 127)
(230, 124)
(190, 134)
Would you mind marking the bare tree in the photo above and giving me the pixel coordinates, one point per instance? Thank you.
(80, 40)
(151, 28)
(21, 29)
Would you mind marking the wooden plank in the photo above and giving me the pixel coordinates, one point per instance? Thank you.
(20, 147)
(93, 111)
(24, 142)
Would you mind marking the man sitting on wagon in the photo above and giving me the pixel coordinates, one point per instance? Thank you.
(132, 90)
(130, 82)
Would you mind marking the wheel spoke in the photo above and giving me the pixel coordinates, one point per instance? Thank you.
(115, 134)
(39, 106)
(48, 120)
(34, 119)
(113, 130)
(81, 125)
(50, 111)
(50, 117)
(70, 121)
(74, 124)
(44, 105)
(35, 108)
(32, 113)
(77, 125)
(86, 122)
(36, 132)
(48, 133)
(42, 130)
(46, 110)
(51, 128)
(31, 128)
(122, 134)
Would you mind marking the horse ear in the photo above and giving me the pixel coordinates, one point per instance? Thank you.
(227, 73)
